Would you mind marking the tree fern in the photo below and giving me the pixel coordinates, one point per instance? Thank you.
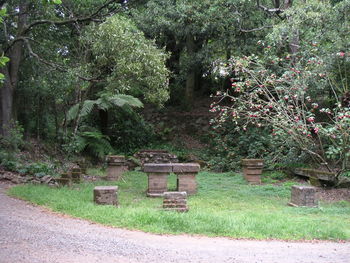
(87, 107)
(93, 142)
(105, 102)
(73, 112)
(121, 99)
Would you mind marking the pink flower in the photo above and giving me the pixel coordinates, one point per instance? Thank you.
(311, 119)
(316, 130)
(341, 54)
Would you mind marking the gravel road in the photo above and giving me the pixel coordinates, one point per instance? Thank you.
(32, 234)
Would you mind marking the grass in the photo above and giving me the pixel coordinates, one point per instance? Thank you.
(224, 206)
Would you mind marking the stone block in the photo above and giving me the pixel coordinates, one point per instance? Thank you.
(157, 184)
(115, 172)
(76, 177)
(158, 168)
(186, 168)
(115, 159)
(76, 170)
(253, 162)
(156, 156)
(66, 175)
(252, 169)
(106, 195)
(186, 182)
(64, 181)
(175, 201)
(303, 196)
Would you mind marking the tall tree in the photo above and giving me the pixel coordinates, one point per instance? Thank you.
(196, 33)
(25, 18)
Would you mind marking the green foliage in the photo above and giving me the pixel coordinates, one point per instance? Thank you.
(297, 86)
(345, 173)
(214, 27)
(3, 59)
(10, 145)
(90, 142)
(229, 145)
(38, 169)
(273, 177)
(56, 2)
(225, 205)
(129, 132)
(105, 102)
(128, 62)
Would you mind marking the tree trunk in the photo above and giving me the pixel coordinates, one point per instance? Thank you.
(191, 79)
(6, 100)
(103, 121)
(11, 72)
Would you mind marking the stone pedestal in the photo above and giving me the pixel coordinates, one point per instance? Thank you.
(252, 170)
(76, 177)
(117, 166)
(106, 195)
(303, 196)
(157, 178)
(175, 201)
(64, 181)
(186, 177)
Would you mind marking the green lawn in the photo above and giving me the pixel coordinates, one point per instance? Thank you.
(224, 206)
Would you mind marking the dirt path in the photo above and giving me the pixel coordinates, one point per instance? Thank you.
(33, 235)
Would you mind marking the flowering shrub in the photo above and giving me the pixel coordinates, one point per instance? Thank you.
(300, 104)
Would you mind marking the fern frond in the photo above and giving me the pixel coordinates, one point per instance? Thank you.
(94, 142)
(121, 99)
(103, 103)
(87, 107)
(72, 114)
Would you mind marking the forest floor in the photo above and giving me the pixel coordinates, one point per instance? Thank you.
(34, 234)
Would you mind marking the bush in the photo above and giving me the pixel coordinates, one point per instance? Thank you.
(10, 146)
(129, 132)
(230, 145)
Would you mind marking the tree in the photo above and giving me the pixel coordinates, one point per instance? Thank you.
(20, 29)
(196, 33)
(124, 65)
(300, 95)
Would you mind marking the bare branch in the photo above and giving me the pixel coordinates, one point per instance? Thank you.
(73, 20)
(269, 10)
(254, 29)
